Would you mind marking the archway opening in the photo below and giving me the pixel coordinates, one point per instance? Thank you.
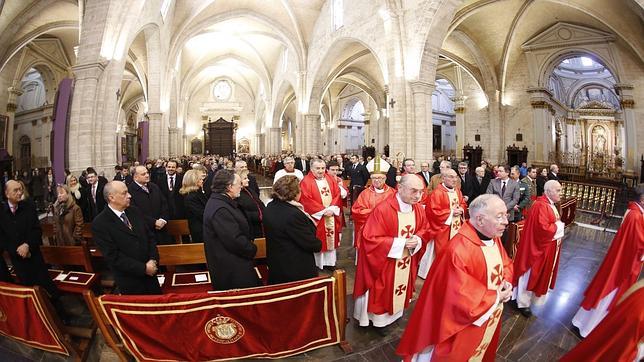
(443, 118)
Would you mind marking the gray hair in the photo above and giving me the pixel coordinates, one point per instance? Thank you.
(481, 169)
(108, 190)
(550, 185)
(446, 164)
(316, 161)
(480, 204)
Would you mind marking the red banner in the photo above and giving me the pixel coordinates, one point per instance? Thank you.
(23, 318)
(272, 321)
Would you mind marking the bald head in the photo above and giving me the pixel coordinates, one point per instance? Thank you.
(117, 195)
(141, 175)
(488, 215)
(13, 191)
(410, 189)
(552, 189)
(445, 165)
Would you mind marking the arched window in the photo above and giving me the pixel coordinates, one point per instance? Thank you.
(33, 91)
(582, 78)
(442, 96)
(354, 110)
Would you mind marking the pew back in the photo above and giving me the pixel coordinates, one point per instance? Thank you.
(177, 229)
(68, 255)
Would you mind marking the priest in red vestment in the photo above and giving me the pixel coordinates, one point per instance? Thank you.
(619, 336)
(322, 200)
(458, 314)
(370, 197)
(445, 211)
(537, 259)
(619, 270)
(394, 233)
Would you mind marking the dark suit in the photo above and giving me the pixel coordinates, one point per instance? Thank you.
(477, 188)
(195, 203)
(290, 243)
(552, 176)
(426, 178)
(153, 206)
(227, 242)
(466, 183)
(358, 175)
(252, 184)
(253, 208)
(16, 230)
(118, 177)
(304, 168)
(127, 251)
(174, 199)
(91, 209)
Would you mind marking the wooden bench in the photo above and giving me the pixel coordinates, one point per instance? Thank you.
(31, 306)
(65, 256)
(98, 307)
(177, 229)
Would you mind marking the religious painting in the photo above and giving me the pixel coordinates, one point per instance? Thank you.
(244, 146)
(4, 122)
(599, 140)
(196, 146)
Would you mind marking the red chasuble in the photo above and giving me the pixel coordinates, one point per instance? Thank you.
(623, 262)
(328, 227)
(537, 249)
(379, 274)
(438, 208)
(460, 288)
(363, 206)
(617, 337)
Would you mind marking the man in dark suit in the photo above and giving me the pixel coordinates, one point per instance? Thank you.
(147, 197)
(241, 165)
(554, 173)
(118, 175)
(357, 173)
(425, 174)
(126, 242)
(466, 179)
(92, 195)
(302, 164)
(170, 183)
(21, 237)
(506, 188)
(478, 184)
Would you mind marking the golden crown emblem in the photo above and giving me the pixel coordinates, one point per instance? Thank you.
(224, 330)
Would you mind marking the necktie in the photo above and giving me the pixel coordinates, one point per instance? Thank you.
(145, 189)
(503, 189)
(94, 192)
(126, 221)
(13, 209)
(171, 183)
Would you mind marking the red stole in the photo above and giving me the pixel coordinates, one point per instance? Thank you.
(622, 264)
(438, 209)
(312, 202)
(459, 289)
(376, 272)
(537, 249)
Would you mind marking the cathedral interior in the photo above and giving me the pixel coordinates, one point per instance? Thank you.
(109, 82)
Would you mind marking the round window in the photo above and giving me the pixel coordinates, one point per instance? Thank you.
(222, 90)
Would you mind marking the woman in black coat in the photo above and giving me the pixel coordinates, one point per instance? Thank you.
(194, 202)
(227, 241)
(290, 235)
(541, 181)
(252, 207)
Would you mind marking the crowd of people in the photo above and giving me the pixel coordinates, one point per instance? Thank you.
(445, 223)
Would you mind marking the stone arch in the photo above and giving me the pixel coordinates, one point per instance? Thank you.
(548, 64)
(325, 75)
(285, 95)
(49, 76)
(583, 83)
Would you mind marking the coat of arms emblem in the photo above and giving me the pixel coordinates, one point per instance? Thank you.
(224, 330)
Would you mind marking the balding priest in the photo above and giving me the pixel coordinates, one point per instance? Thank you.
(392, 237)
(322, 199)
(458, 314)
(537, 259)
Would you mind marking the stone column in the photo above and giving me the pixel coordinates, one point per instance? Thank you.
(542, 122)
(382, 138)
(422, 130)
(311, 134)
(274, 135)
(82, 148)
(156, 135)
(627, 102)
(459, 110)
(173, 133)
(14, 93)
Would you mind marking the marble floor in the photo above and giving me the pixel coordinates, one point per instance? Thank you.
(545, 336)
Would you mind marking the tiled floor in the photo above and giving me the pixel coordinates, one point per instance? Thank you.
(546, 336)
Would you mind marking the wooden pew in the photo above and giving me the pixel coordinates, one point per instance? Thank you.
(46, 331)
(177, 229)
(68, 255)
(181, 254)
(48, 232)
(114, 341)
